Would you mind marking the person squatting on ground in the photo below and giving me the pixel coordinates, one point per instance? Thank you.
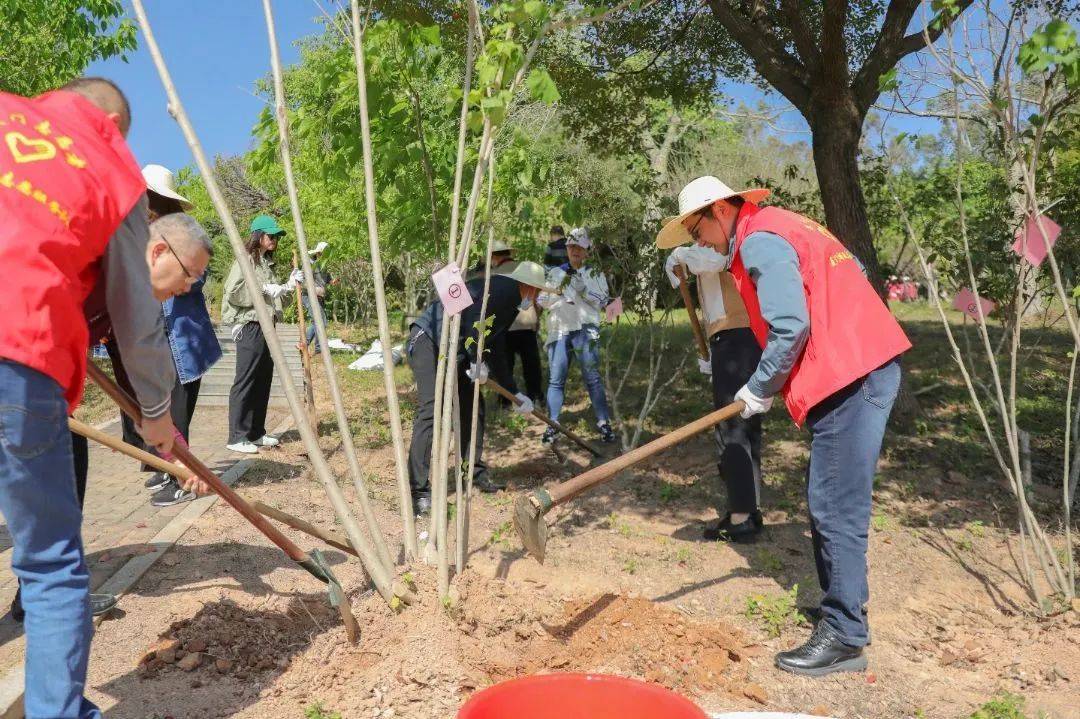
(250, 393)
(832, 348)
(573, 331)
(733, 356)
(192, 338)
(507, 294)
(71, 195)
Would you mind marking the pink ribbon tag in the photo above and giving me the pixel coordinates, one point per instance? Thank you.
(614, 309)
(1029, 239)
(450, 285)
(965, 302)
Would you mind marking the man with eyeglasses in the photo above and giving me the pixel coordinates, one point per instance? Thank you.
(831, 347)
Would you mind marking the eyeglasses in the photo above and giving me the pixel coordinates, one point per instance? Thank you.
(181, 262)
(693, 230)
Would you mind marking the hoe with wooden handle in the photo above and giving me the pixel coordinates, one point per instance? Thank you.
(529, 509)
(499, 389)
(314, 563)
(695, 324)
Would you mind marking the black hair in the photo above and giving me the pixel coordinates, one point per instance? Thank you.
(100, 90)
(558, 230)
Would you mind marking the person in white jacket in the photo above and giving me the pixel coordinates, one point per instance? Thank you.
(733, 357)
(573, 330)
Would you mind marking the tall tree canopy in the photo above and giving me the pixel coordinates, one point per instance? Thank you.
(48, 42)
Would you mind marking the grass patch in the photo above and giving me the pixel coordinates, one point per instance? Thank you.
(775, 612)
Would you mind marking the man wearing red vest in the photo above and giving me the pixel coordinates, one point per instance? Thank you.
(831, 348)
(72, 199)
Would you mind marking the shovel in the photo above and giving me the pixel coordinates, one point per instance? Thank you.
(529, 509)
(314, 562)
(695, 324)
(499, 389)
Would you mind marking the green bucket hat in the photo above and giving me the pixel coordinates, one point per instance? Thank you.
(267, 224)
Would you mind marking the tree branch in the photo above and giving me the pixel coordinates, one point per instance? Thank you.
(800, 33)
(782, 70)
(834, 50)
(893, 45)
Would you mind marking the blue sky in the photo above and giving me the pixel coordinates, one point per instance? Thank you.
(215, 50)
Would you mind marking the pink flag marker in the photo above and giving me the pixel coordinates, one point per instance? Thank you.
(450, 285)
(1029, 239)
(965, 302)
(614, 309)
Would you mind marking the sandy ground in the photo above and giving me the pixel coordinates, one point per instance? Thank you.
(629, 587)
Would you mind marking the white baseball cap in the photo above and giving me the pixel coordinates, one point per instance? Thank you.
(697, 195)
(160, 179)
(580, 237)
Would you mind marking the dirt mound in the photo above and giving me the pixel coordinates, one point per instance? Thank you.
(225, 638)
(634, 637)
(425, 660)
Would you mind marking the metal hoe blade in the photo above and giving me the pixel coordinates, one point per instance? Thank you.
(318, 567)
(530, 525)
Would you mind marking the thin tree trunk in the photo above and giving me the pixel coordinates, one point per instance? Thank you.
(836, 128)
(313, 301)
(404, 493)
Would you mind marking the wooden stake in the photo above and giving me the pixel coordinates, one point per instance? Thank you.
(375, 568)
(404, 493)
(305, 357)
(382, 551)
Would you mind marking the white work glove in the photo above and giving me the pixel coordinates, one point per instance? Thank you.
(526, 406)
(477, 372)
(705, 366)
(754, 404)
(669, 267)
(274, 291)
(297, 277)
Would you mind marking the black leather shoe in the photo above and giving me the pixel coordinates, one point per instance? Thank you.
(823, 653)
(744, 532)
(486, 485)
(813, 614)
(422, 506)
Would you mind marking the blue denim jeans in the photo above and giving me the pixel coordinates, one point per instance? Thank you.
(39, 503)
(846, 430)
(584, 345)
(309, 335)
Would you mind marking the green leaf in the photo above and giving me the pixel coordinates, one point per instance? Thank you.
(542, 86)
(887, 82)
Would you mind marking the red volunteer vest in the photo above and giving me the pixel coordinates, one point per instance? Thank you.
(67, 181)
(852, 332)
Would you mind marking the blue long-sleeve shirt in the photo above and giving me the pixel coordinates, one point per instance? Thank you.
(773, 266)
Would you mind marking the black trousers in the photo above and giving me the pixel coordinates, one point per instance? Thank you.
(181, 410)
(250, 392)
(423, 359)
(735, 356)
(526, 345)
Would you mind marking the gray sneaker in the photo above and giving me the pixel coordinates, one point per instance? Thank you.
(172, 493)
(102, 603)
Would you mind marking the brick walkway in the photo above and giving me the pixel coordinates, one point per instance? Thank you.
(118, 519)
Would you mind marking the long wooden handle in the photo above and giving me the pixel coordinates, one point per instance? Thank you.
(119, 445)
(695, 323)
(542, 417)
(334, 540)
(598, 475)
(128, 407)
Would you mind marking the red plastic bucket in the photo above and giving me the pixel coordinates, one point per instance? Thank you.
(578, 696)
